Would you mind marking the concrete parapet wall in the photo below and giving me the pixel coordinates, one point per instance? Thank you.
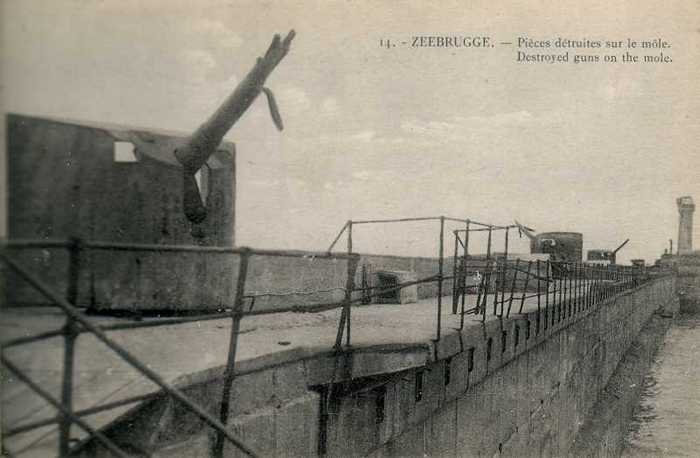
(527, 399)
(520, 386)
(689, 282)
(66, 180)
(164, 281)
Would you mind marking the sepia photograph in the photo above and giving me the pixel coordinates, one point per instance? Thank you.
(349, 228)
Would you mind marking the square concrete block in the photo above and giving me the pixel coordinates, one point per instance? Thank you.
(352, 426)
(289, 381)
(256, 430)
(387, 279)
(250, 392)
(403, 400)
(449, 344)
(459, 376)
(468, 433)
(409, 444)
(440, 432)
(297, 426)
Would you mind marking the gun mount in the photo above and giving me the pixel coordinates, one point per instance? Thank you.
(605, 257)
(561, 246)
(203, 143)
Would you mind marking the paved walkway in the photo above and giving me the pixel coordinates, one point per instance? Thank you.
(178, 351)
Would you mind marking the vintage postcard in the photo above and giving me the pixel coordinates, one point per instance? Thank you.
(349, 228)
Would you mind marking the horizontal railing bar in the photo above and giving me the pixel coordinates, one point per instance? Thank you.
(31, 339)
(153, 247)
(296, 293)
(430, 218)
(72, 312)
(162, 322)
(456, 220)
(478, 223)
(315, 308)
(481, 229)
(300, 254)
(396, 220)
(35, 243)
(216, 249)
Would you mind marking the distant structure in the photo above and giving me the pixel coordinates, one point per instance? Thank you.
(686, 208)
(560, 246)
(604, 257)
(112, 183)
(117, 184)
(122, 185)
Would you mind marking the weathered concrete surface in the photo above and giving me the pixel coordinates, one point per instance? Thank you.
(603, 434)
(386, 337)
(54, 161)
(530, 401)
(531, 389)
(689, 282)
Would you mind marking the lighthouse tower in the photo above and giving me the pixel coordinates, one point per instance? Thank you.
(686, 208)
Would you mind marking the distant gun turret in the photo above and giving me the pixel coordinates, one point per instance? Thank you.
(205, 140)
(561, 246)
(604, 257)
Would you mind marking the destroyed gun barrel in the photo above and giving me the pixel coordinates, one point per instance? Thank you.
(522, 229)
(620, 247)
(206, 139)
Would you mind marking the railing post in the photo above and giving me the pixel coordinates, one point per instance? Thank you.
(350, 283)
(512, 285)
(455, 290)
(440, 271)
(527, 282)
(488, 243)
(496, 285)
(548, 270)
(70, 334)
(561, 294)
(581, 286)
(574, 295)
(577, 288)
(349, 288)
(589, 287)
(569, 303)
(466, 240)
(230, 370)
(463, 278)
(539, 286)
(505, 270)
(485, 283)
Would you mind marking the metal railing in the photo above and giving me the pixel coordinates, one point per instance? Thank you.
(440, 277)
(559, 284)
(78, 323)
(562, 289)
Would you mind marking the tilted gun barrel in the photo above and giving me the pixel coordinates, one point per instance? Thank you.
(206, 139)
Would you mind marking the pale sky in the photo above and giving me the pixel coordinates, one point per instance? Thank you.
(602, 149)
